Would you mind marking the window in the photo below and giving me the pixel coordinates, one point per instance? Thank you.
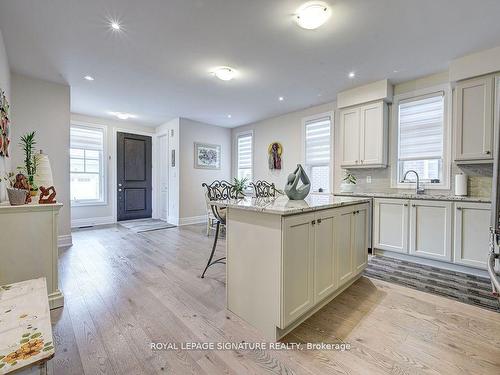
(245, 155)
(421, 138)
(87, 165)
(318, 152)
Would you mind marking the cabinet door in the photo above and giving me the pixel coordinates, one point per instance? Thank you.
(373, 133)
(343, 245)
(349, 125)
(390, 224)
(474, 119)
(324, 260)
(472, 222)
(430, 229)
(360, 238)
(298, 267)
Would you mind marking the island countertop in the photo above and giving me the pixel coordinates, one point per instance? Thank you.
(283, 206)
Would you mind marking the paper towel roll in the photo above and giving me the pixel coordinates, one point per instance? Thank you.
(461, 184)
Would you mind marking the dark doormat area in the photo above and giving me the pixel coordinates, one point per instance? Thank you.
(145, 225)
(470, 289)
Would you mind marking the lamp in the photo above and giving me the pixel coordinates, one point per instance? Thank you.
(44, 171)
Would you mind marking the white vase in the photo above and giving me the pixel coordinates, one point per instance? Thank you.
(347, 188)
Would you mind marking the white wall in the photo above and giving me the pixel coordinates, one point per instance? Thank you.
(5, 164)
(286, 129)
(192, 200)
(44, 107)
(104, 213)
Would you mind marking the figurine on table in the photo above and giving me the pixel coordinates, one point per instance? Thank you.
(47, 195)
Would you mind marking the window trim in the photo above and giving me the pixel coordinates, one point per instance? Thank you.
(236, 137)
(314, 117)
(445, 89)
(104, 179)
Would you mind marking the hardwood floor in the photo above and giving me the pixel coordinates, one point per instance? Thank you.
(125, 290)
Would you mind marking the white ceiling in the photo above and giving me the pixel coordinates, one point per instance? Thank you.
(157, 68)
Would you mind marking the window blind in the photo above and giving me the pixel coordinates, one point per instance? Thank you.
(245, 152)
(87, 139)
(421, 128)
(317, 139)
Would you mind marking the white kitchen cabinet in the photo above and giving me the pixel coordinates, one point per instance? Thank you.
(298, 266)
(430, 229)
(360, 239)
(350, 132)
(364, 134)
(471, 234)
(474, 120)
(324, 255)
(391, 224)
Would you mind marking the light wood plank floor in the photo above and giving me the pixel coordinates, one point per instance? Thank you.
(125, 290)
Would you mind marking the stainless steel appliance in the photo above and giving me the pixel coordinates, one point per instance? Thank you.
(494, 255)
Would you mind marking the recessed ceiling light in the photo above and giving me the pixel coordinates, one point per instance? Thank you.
(312, 14)
(224, 73)
(352, 75)
(115, 25)
(89, 78)
(229, 116)
(123, 115)
(281, 98)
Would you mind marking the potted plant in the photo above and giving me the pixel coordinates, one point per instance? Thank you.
(348, 182)
(30, 160)
(17, 188)
(239, 186)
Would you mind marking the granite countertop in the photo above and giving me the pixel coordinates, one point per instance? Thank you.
(283, 206)
(440, 197)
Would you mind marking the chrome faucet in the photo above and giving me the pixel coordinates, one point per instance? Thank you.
(419, 190)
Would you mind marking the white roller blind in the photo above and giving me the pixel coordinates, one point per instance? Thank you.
(86, 138)
(421, 128)
(317, 140)
(245, 145)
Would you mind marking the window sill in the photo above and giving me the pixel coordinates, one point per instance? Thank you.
(88, 204)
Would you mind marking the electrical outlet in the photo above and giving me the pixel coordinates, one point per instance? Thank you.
(368, 179)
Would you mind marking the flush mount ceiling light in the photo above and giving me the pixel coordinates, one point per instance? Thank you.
(352, 74)
(312, 14)
(89, 78)
(123, 115)
(281, 98)
(224, 73)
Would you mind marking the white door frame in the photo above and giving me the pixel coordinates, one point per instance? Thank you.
(159, 160)
(114, 169)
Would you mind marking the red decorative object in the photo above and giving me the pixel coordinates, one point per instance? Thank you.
(275, 150)
(4, 125)
(47, 195)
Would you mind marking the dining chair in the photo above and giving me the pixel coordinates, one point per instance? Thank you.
(264, 189)
(216, 191)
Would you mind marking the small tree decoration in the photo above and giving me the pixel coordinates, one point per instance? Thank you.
(240, 185)
(349, 178)
(30, 159)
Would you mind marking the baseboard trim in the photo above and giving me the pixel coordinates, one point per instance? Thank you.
(173, 220)
(192, 220)
(64, 240)
(92, 221)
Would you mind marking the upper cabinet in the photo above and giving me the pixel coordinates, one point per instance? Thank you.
(364, 135)
(474, 120)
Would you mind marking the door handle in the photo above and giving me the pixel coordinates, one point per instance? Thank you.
(319, 221)
(313, 222)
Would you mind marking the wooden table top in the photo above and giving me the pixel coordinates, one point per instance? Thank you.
(25, 328)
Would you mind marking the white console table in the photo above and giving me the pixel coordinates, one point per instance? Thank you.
(28, 246)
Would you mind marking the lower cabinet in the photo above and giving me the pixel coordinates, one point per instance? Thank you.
(321, 252)
(471, 234)
(430, 229)
(455, 232)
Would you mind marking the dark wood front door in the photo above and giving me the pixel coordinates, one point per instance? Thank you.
(133, 176)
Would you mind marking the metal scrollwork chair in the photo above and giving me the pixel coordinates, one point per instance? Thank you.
(264, 189)
(216, 191)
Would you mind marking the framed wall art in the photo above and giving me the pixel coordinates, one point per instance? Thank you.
(207, 156)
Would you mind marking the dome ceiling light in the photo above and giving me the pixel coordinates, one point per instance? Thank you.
(224, 73)
(312, 14)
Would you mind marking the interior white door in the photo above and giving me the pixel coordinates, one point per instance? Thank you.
(372, 134)
(360, 238)
(430, 229)
(471, 244)
(349, 124)
(324, 260)
(298, 267)
(390, 224)
(163, 176)
(343, 245)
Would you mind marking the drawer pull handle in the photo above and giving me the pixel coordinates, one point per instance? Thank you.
(319, 221)
(313, 222)
(459, 208)
(487, 152)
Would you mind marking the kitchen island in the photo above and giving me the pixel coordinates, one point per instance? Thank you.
(287, 259)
